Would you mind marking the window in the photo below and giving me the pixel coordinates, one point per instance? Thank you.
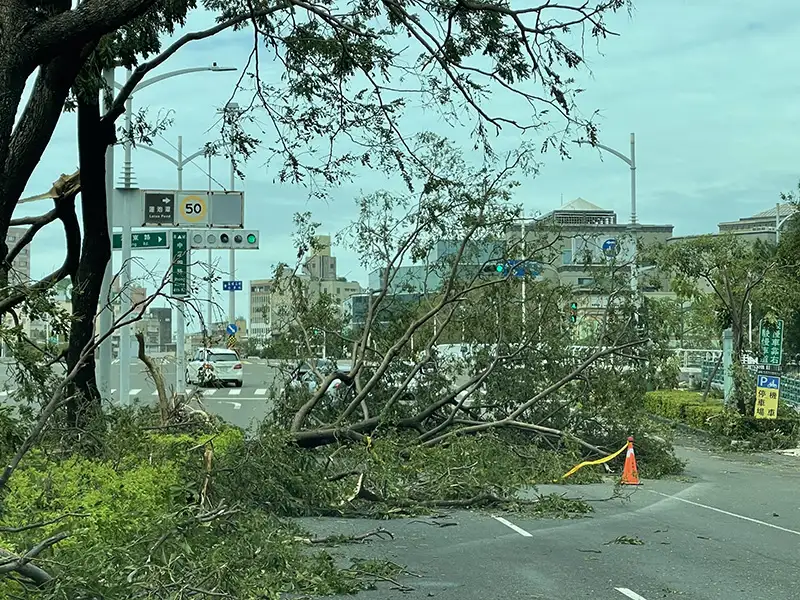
(222, 357)
(566, 257)
(585, 281)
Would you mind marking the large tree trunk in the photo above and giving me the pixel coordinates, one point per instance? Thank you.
(93, 139)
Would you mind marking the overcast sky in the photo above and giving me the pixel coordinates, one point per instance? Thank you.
(710, 88)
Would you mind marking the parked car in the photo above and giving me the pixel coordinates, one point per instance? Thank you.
(210, 365)
(303, 376)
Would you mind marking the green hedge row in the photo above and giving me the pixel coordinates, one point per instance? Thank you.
(687, 407)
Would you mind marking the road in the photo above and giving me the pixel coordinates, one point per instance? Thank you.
(239, 406)
(729, 530)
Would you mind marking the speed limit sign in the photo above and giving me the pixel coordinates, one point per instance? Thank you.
(193, 209)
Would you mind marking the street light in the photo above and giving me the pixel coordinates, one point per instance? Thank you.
(631, 162)
(106, 315)
(780, 222)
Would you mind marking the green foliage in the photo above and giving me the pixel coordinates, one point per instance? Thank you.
(712, 416)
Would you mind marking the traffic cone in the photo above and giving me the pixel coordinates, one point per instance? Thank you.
(630, 474)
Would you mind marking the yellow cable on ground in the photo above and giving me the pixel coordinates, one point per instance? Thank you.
(599, 461)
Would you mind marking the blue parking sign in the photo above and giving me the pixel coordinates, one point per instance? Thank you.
(769, 381)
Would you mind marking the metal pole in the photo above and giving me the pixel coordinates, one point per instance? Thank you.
(125, 278)
(750, 321)
(180, 341)
(777, 223)
(232, 297)
(106, 319)
(525, 268)
(209, 284)
(635, 257)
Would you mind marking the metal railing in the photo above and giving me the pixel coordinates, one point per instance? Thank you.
(790, 384)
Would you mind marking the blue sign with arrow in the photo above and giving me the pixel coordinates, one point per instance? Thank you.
(610, 247)
(231, 329)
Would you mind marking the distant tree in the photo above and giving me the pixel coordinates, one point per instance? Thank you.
(729, 270)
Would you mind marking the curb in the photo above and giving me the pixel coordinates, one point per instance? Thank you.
(681, 426)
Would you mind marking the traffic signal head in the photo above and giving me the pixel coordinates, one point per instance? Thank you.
(573, 312)
(573, 306)
(222, 239)
(500, 268)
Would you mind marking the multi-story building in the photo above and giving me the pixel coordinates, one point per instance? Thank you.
(163, 317)
(21, 265)
(760, 226)
(271, 304)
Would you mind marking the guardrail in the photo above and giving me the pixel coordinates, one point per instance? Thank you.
(790, 384)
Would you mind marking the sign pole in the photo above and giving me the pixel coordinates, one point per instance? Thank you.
(232, 297)
(180, 334)
(106, 317)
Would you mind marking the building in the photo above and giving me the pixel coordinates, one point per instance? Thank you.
(21, 265)
(579, 236)
(760, 226)
(271, 304)
(163, 317)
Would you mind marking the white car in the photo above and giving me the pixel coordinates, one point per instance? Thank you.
(215, 364)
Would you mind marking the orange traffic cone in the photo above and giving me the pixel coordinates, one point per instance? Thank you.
(630, 474)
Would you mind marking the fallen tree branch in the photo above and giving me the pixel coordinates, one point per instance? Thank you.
(22, 564)
(380, 532)
(41, 523)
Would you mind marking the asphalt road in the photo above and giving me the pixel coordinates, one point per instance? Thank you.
(728, 531)
(240, 406)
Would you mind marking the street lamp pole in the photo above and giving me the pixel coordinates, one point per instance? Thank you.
(780, 222)
(631, 162)
(106, 317)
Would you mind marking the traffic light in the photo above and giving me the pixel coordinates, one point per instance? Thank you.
(495, 268)
(223, 239)
(573, 312)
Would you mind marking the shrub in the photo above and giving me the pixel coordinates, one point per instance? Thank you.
(677, 405)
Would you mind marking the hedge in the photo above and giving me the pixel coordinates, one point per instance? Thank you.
(687, 407)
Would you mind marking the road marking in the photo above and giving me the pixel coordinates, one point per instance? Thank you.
(210, 392)
(113, 390)
(134, 392)
(234, 392)
(4, 393)
(261, 392)
(630, 594)
(236, 405)
(725, 512)
(510, 525)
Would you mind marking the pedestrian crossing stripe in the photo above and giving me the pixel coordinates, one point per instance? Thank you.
(134, 392)
(261, 392)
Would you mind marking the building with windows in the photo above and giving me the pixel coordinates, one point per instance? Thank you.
(271, 304)
(760, 226)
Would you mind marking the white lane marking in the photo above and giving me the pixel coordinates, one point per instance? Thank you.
(210, 392)
(510, 525)
(725, 512)
(134, 392)
(261, 392)
(236, 405)
(630, 594)
(154, 393)
(234, 392)
(113, 391)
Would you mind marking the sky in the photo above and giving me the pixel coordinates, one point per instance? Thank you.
(708, 87)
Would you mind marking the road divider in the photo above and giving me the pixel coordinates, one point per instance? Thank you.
(726, 512)
(513, 527)
(630, 594)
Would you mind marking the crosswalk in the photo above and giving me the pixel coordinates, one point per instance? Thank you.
(170, 359)
(207, 392)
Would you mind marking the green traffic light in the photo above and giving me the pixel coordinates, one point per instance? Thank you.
(499, 268)
(251, 238)
(574, 306)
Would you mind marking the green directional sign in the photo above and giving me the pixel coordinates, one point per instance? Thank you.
(180, 264)
(771, 342)
(142, 240)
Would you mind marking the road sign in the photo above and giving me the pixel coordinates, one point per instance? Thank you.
(231, 286)
(180, 264)
(768, 390)
(771, 341)
(231, 329)
(158, 239)
(610, 248)
(231, 341)
(192, 209)
(159, 209)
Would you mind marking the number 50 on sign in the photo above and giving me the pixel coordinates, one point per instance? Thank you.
(768, 389)
(193, 209)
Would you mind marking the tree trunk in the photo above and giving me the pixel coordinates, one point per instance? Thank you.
(93, 139)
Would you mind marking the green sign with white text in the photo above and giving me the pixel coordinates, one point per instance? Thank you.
(180, 264)
(142, 240)
(771, 342)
